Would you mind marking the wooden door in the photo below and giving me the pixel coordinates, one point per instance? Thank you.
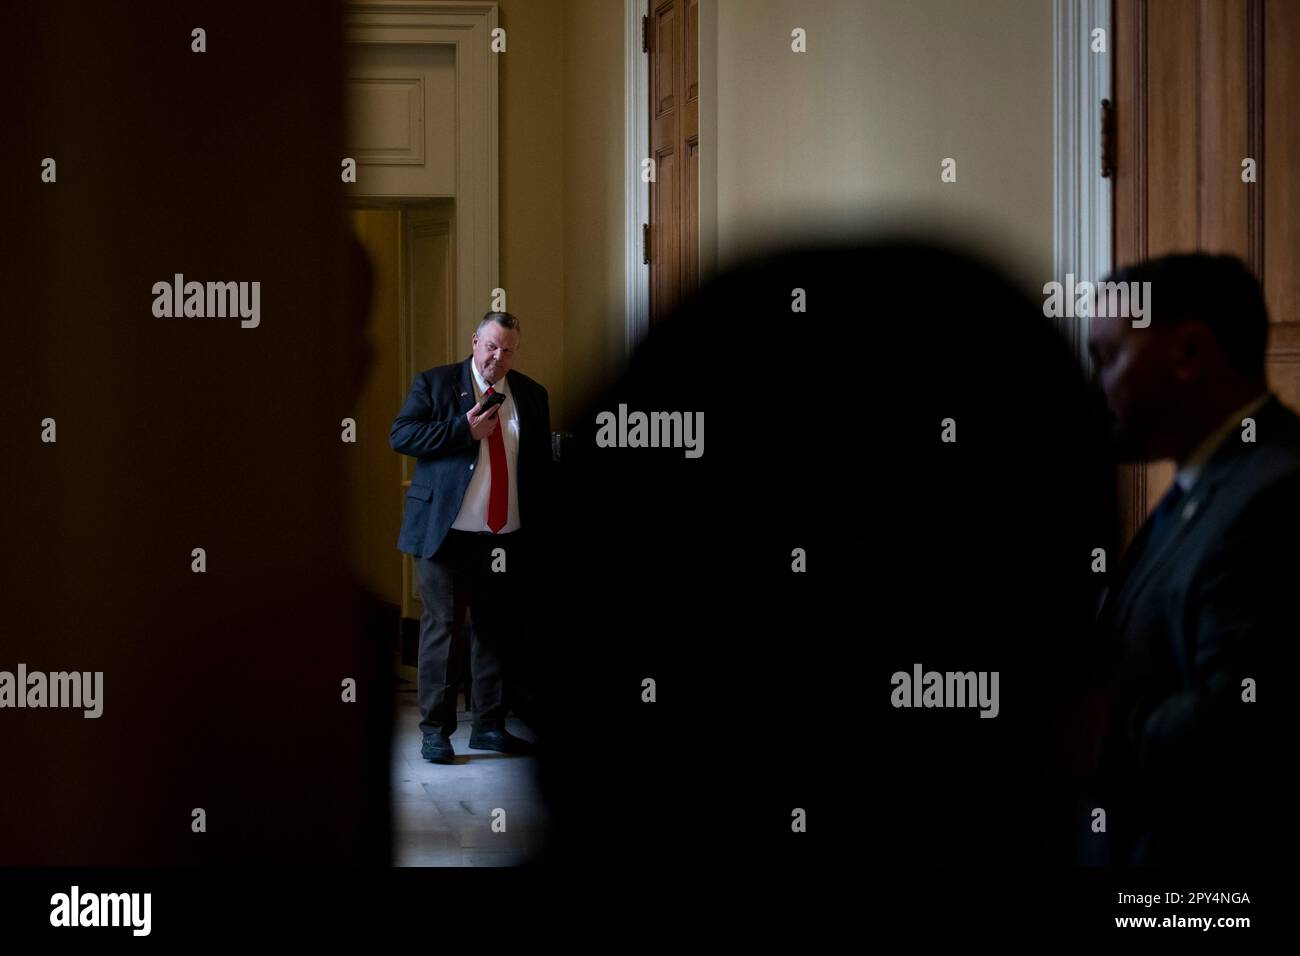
(673, 44)
(1200, 87)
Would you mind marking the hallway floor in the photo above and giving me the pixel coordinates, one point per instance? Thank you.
(443, 814)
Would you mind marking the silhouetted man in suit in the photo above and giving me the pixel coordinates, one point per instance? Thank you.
(1198, 607)
(478, 484)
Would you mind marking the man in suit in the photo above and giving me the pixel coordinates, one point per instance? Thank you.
(1198, 608)
(478, 494)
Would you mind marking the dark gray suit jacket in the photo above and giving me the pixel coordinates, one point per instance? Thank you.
(431, 427)
(1211, 604)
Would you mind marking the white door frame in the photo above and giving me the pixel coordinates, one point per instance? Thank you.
(1082, 205)
(636, 146)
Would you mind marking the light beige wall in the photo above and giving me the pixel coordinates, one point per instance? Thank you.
(531, 105)
(853, 131)
(708, 23)
(561, 102)
(849, 134)
(594, 194)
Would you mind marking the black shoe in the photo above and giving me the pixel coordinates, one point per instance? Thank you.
(501, 741)
(438, 749)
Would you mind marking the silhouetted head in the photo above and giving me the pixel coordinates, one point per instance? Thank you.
(1196, 353)
(946, 488)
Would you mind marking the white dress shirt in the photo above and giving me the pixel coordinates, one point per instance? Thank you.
(1191, 470)
(474, 507)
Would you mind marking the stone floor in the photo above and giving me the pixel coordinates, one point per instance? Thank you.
(443, 813)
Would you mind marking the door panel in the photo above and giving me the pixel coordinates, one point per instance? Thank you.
(673, 41)
(1200, 86)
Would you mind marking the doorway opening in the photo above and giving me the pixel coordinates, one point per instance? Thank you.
(410, 327)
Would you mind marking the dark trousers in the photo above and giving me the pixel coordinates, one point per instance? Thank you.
(459, 577)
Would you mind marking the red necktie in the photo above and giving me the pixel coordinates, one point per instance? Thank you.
(498, 471)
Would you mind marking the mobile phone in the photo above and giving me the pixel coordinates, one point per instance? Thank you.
(491, 402)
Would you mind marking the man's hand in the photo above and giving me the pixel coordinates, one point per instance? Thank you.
(482, 424)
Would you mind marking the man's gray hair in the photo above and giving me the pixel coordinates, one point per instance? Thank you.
(503, 319)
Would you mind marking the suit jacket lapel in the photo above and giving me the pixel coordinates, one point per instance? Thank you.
(1148, 562)
(1224, 463)
(465, 386)
(520, 405)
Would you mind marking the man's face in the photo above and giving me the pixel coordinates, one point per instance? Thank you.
(494, 351)
(1136, 371)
